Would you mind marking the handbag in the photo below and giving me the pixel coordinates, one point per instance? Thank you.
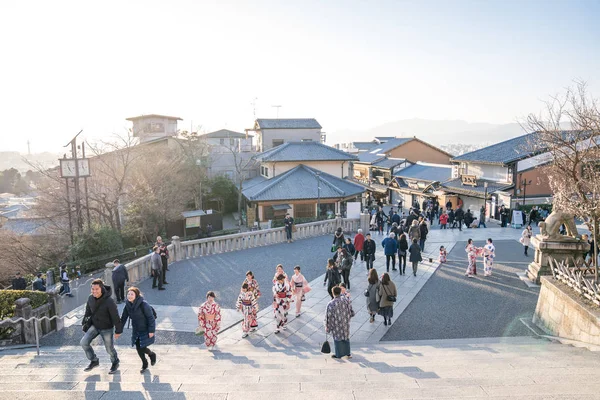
(333, 248)
(86, 322)
(389, 296)
(199, 331)
(326, 348)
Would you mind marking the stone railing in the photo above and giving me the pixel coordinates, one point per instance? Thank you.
(240, 241)
(31, 323)
(140, 268)
(574, 277)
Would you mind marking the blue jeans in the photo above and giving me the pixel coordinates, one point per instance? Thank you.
(422, 244)
(342, 348)
(481, 222)
(107, 338)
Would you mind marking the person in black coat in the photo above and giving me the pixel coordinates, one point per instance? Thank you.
(19, 283)
(402, 249)
(415, 255)
(102, 317)
(143, 325)
(338, 238)
(459, 215)
(332, 277)
(119, 277)
(369, 250)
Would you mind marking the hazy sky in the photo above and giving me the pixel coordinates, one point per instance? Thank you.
(67, 66)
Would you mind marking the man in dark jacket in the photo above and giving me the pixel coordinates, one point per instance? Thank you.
(19, 283)
(119, 277)
(369, 249)
(459, 215)
(164, 258)
(103, 316)
(39, 284)
(157, 268)
(288, 222)
(424, 231)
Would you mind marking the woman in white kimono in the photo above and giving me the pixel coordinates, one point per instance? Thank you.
(282, 296)
(489, 253)
(299, 286)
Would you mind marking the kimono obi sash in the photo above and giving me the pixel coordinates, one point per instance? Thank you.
(299, 284)
(246, 303)
(209, 317)
(281, 295)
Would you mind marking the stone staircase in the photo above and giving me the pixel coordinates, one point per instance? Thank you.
(502, 368)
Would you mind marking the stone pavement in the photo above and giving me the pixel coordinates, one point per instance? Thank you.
(499, 369)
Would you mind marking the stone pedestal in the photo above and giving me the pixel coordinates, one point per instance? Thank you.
(365, 219)
(177, 248)
(108, 278)
(23, 310)
(564, 249)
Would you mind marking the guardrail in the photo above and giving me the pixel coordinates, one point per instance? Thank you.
(575, 277)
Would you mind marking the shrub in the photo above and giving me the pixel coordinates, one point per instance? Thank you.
(8, 298)
(96, 242)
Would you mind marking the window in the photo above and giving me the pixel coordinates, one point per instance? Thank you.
(264, 171)
(221, 142)
(268, 213)
(306, 140)
(304, 210)
(231, 142)
(277, 142)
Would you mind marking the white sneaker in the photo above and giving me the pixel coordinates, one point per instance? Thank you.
(245, 335)
(253, 330)
(277, 331)
(284, 328)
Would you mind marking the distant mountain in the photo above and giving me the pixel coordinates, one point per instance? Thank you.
(437, 133)
(13, 159)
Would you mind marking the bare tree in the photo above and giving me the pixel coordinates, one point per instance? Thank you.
(574, 171)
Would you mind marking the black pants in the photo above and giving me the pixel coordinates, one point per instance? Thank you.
(157, 276)
(142, 351)
(422, 244)
(400, 258)
(165, 265)
(362, 255)
(346, 277)
(459, 222)
(329, 290)
(387, 261)
(288, 233)
(120, 290)
(526, 248)
(369, 259)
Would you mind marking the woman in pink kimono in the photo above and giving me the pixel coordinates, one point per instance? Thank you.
(209, 317)
(299, 286)
(472, 258)
(282, 296)
(247, 304)
(255, 289)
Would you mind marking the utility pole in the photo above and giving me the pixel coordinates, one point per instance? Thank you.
(318, 195)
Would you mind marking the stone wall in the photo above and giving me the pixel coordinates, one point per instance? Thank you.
(560, 311)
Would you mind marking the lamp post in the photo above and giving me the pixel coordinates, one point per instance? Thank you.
(524, 183)
(485, 186)
(318, 195)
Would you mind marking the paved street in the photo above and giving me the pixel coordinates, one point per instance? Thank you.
(452, 306)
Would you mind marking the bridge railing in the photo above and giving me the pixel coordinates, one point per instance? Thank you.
(140, 269)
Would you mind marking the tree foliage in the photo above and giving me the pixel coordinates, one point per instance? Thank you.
(94, 242)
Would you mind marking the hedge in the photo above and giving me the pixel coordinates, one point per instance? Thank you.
(8, 298)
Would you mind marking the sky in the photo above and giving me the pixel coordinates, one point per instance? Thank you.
(72, 65)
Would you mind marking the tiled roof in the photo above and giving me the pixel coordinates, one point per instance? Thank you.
(363, 145)
(254, 181)
(423, 172)
(456, 186)
(368, 158)
(388, 146)
(151, 116)
(301, 183)
(304, 151)
(224, 133)
(296, 123)
(388, 163)
(193, 213)
(504, 152)
(26, 226)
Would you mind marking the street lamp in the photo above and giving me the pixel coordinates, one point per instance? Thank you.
(485, 186)
(524, 183)
(318, 173)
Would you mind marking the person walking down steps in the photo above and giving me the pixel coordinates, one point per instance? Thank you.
(299, 286)
(247, 304)
(209, 318)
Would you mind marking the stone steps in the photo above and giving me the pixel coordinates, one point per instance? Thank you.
(509, 368)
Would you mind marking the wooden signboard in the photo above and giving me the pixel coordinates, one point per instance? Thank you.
(469, 180)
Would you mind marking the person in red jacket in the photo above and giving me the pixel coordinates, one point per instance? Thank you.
(443, 220)
(359, 240)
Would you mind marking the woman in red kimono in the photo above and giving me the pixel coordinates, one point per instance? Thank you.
(255, 289)
(209, 317)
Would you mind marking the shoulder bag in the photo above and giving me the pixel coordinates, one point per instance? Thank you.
(389, 296)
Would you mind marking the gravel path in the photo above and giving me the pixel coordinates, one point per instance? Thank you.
(451, 305)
